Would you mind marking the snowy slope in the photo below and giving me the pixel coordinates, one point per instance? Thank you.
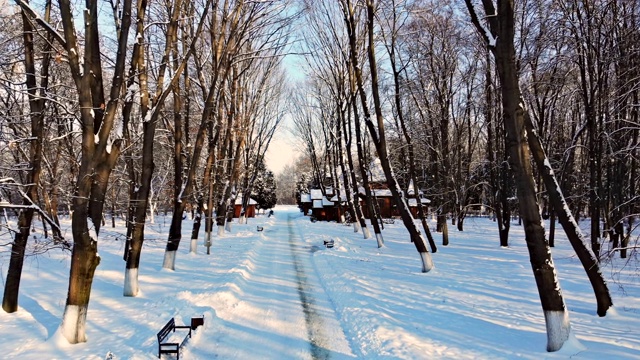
(280, 294)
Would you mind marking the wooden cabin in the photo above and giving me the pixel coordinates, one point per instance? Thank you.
(250, 211)
(413, 206)
(382, 199)
(305, 203)
(339, 208)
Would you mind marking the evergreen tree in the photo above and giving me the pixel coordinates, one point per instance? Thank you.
(264, 188)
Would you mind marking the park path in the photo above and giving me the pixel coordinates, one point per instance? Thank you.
(274, 302)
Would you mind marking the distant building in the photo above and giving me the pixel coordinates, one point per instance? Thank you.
(305, 203)
(250, 211)
(383, 198)
(322, 209)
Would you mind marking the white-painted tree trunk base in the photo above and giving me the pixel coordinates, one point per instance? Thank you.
(558, 329)
(169, 260)
(366, 233)
(242, 220)
(356, 227)
(342, 219)
(427, 262)
(227, 226)
(73, 324)
(152, 213)
(131, 282)
(193, 246)
(380, 240)
(220, 230)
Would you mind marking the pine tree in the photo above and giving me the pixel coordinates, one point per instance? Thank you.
(264, 188)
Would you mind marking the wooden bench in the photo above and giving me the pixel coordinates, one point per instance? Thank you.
(164, 334)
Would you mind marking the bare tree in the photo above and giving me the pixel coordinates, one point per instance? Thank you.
(150, 111)
(500, 39)
(98, 152)
(378, 132)
(397, 66)
(37, 104)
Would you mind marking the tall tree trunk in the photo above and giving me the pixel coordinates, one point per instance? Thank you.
(497, 183)
(37, 104)
(501, 42)
(96, 160)
(378, 136)
(588, 258)
(151, 118)
(368, 197)
(407, 137)
(184, 191)
(356, 199)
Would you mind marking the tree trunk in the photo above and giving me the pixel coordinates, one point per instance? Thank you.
(183, 186)
(85, 261)
(37, 103)
(150, 121)
(378, 136)
(588, 258)
(407, 137)
(502, 46)
(361, 164)
(14, 272)
(444, 228)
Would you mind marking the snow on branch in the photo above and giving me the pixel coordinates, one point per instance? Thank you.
(30, 205)
(27, 9)
(482, 28)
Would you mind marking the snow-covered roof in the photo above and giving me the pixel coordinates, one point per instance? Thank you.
(317, 204)
(316, 194)
(329, 190)
(251, 201)
(410, 189)
(412, 202)
(326, 202)
(381, 192)
(376, 192)
(376, 174)
(305, 198)
(343, 198)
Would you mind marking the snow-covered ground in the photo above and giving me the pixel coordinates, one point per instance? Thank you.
(280, 294)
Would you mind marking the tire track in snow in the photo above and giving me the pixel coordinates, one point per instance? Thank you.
(318, 340)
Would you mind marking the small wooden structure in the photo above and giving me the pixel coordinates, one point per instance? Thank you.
(250, 211)
(413, 206)
(305, 203)
(383, 199)
(322, 209)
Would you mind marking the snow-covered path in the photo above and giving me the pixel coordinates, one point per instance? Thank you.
(274, 303)
(279, 294)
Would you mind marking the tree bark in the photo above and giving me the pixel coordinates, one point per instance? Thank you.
(501, 42)
(407, 136)
(378, 136)
(37, 104)
(588, 259)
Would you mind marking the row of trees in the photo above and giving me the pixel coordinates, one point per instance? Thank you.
(174, 100)
(460, 100)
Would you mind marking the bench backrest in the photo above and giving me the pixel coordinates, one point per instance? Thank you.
(169, 327)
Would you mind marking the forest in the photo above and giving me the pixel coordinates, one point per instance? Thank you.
(524, 109)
